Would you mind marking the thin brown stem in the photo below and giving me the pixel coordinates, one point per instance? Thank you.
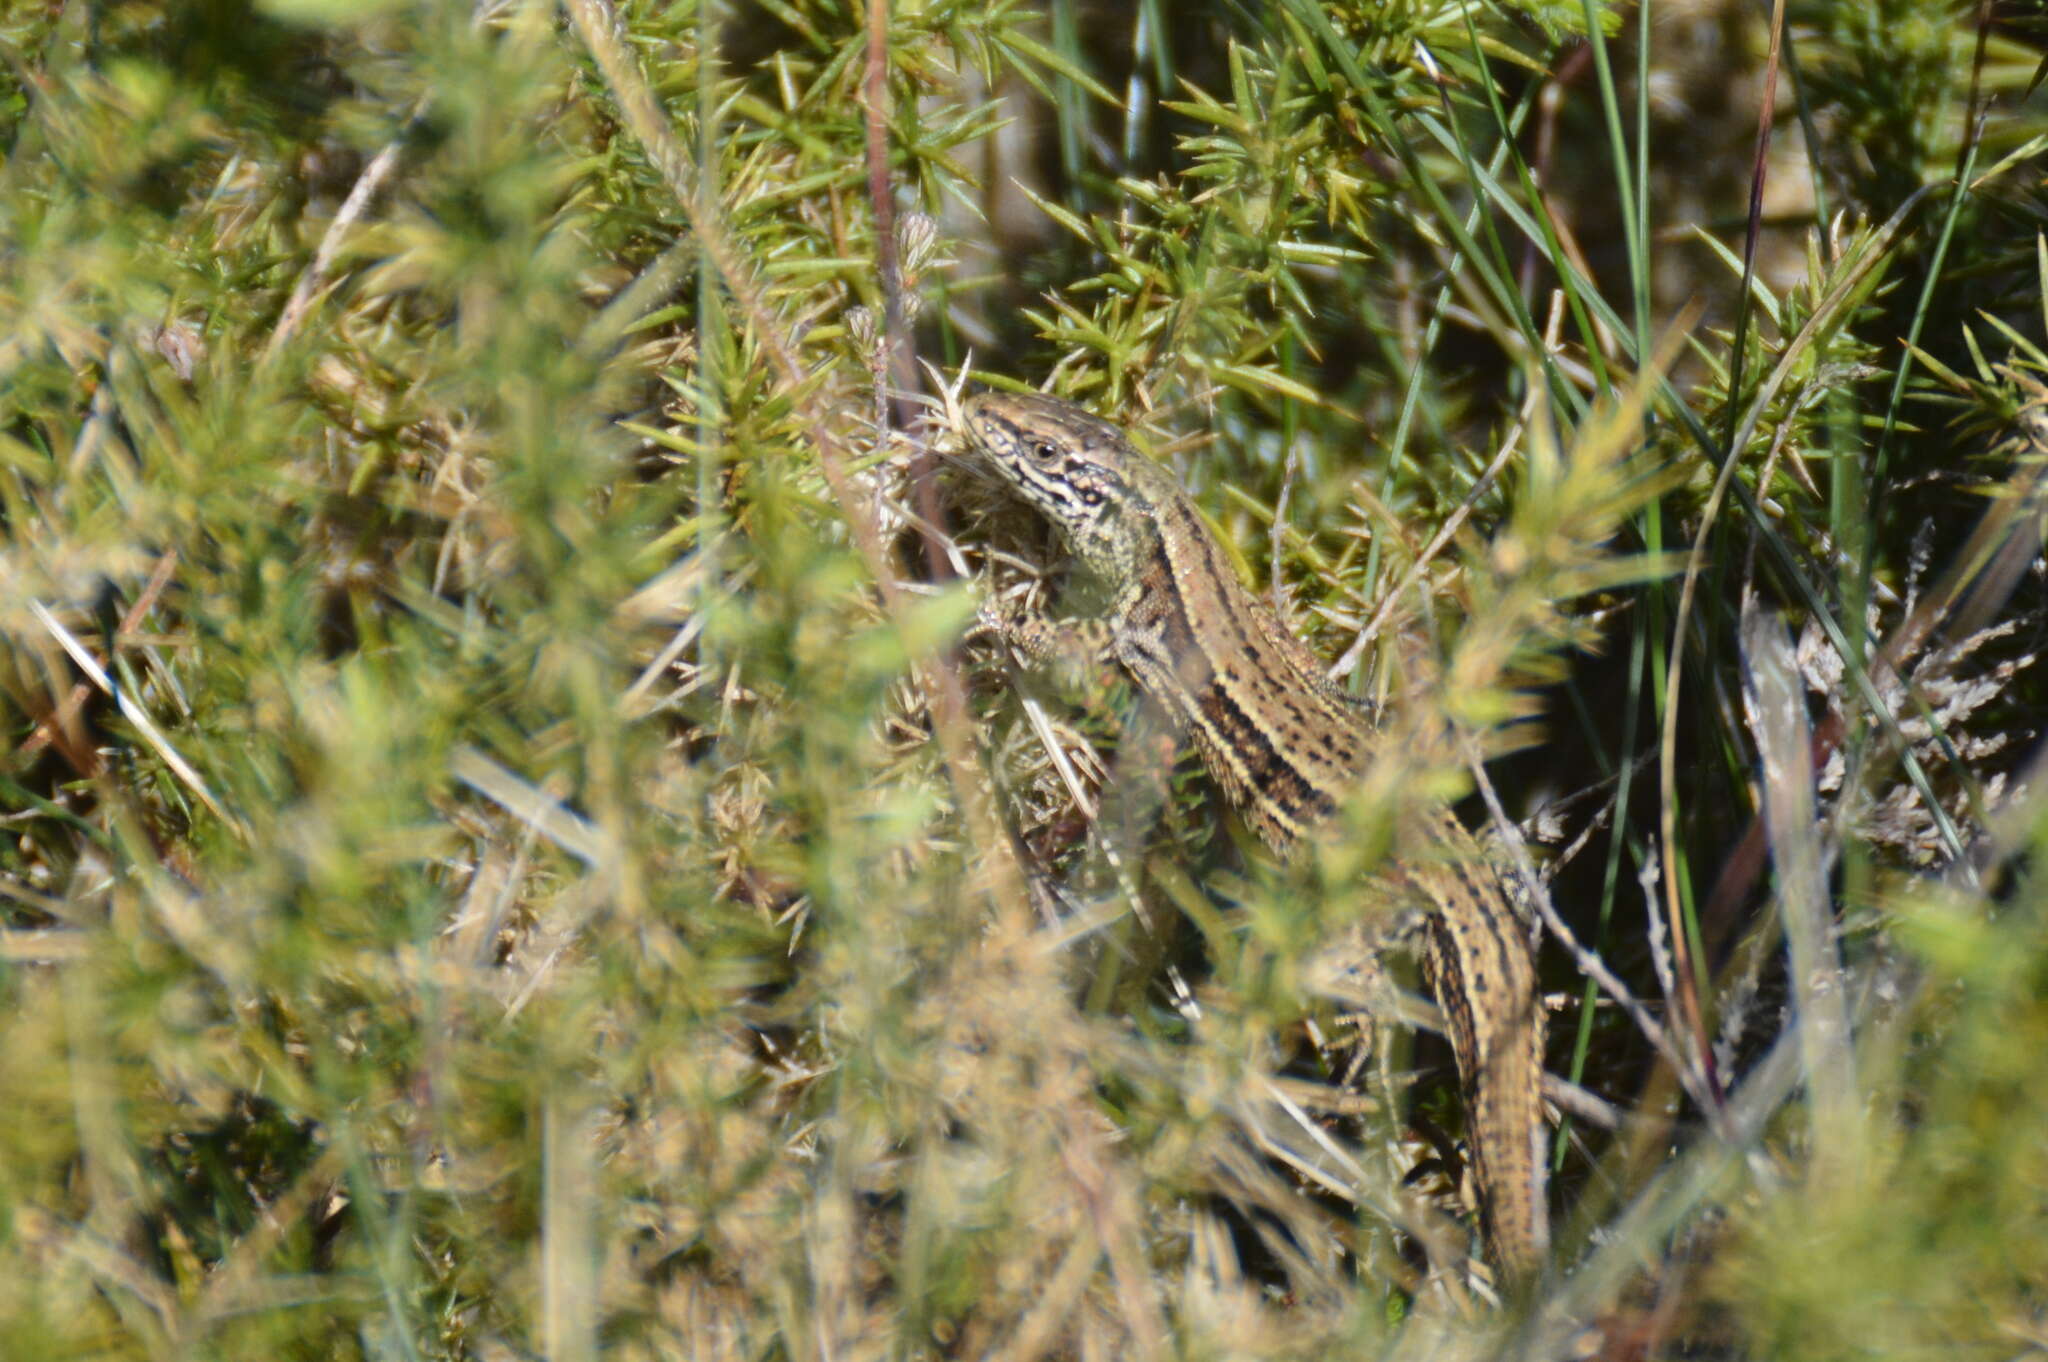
(599, 27)
(901, 365)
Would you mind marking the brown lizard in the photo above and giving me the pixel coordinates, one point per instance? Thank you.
(1287, 746)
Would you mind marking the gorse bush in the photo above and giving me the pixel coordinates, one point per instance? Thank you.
(516, 847)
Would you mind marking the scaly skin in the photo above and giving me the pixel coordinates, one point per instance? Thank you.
(1286, 746)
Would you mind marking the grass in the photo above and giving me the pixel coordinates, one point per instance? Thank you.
(514, 849)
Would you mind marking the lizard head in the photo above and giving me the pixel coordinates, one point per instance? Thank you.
(1077, 469)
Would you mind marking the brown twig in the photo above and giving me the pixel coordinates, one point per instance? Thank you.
(599, 27)
(901, 365)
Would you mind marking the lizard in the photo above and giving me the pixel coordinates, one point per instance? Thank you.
(1286, 745)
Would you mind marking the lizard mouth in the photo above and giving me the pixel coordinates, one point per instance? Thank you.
(971, 459)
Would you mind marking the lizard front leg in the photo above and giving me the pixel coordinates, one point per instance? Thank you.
(1070, 648)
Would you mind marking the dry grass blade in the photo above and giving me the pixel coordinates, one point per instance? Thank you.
(533, 807)
(1775, 702)
(135, 714)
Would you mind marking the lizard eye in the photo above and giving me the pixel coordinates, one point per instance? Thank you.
(1045, 451)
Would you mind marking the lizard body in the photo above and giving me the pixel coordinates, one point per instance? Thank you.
(1287, 746)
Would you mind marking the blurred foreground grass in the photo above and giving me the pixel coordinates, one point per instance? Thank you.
(508, 855)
